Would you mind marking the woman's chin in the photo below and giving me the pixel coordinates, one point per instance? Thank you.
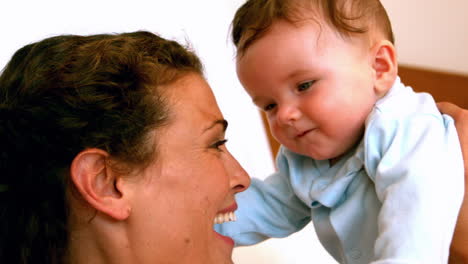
(229, 241)
(224, 246)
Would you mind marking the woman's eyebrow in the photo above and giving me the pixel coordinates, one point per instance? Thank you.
(222, 122)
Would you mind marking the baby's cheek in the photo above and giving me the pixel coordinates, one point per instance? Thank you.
(277, 132)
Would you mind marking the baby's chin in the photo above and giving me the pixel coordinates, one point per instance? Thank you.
(327, 154)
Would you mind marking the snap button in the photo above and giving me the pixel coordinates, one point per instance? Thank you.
(315, 204)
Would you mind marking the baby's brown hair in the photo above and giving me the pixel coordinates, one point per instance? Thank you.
(347, 17)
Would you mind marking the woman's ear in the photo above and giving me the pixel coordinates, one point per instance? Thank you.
(98, 184)
(385, 66)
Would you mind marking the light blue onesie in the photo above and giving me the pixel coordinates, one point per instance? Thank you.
(393, 199)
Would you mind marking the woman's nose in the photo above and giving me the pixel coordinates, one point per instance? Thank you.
(287, 115)
(239, 179)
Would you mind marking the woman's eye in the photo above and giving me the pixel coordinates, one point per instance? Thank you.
(218, 144)
(304, 86)
(269, 107)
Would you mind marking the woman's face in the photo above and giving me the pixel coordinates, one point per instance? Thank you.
(192, 180)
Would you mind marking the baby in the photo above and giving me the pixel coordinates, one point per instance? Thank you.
(374, 165)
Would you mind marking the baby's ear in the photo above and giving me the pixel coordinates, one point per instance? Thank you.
(98, 184)
(385, 66)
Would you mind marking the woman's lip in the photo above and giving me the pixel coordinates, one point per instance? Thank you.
(226, 239)
(230, 208)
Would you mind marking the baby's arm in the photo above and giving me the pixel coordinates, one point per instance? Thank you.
(417, 169)
(267, 209)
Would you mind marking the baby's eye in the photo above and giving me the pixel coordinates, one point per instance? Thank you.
(304, 86)
(269, 107)
(218, 144)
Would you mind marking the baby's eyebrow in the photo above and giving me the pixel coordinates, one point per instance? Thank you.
(222, 122)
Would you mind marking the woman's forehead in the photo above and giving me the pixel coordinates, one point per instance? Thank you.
(192, 99)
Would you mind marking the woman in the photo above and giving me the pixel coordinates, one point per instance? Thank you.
(112, 152)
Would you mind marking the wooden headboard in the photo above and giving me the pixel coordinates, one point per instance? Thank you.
(443, 86)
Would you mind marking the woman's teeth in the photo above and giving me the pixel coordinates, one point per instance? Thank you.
(227, 217)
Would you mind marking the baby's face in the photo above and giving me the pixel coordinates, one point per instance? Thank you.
(316, 87)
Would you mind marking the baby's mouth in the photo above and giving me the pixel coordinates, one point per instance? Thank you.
(225, 217)
(303, 133)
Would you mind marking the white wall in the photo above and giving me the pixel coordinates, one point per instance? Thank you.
(429, 33)
(203, 23)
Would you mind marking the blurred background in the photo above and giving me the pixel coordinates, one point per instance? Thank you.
(430, 35)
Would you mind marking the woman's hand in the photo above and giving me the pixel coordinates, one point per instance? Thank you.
(459, 246)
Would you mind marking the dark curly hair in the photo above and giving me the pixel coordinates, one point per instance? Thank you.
(65, 94)
(347, 17)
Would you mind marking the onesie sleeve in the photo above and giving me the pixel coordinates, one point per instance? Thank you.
(268, 208)
(417, 167)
